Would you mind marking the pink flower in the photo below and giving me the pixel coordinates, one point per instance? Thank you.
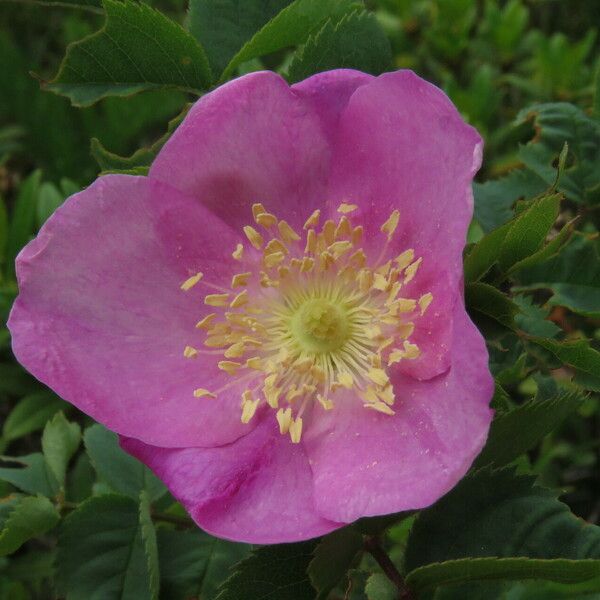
(273, 319)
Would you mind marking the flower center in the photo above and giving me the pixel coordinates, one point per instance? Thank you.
(311, 319)
(320, 326)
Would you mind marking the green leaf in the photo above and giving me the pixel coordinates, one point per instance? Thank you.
(379, 587)
(486, 301)
(28, 517)
(573, 276)
(473, 569)
(195, 564)
(102, 552)
(60, 441)
(31, 414)
(533, 319)
(150, 544)
(355, 42)
(499, 514)
(137, 49)
(14, 380)
(32, 475)
(110, 162)
(555, 124)
(578, 355)
(516, 241)
(22, 222)
(528, 231)
(494, 199)
(514, 432)
(122, 472)
(49, 199)
(291, 27)
(596, 111)
(272, 572)
(3, 230)
(223, 26)
(333, 557)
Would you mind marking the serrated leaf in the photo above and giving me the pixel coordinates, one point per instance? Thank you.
(223, 26)
(101, 552)
(573, 276)
(379, 587)
(272, 572)
(517, 430)
(31, 413)
(473, 569)
(122, 472)
(60, 441)
(333, 557)
(533, 319)
(528, 231)
(555, 124)
(485, 300)
(195, 564)
(355, 42)
(494, 199)
(110, 162)
(519, 240)
(578, 355)
(499, 514)
(291, 27)
(32, 475)
(22, 222)
(137, 49)
(28, 517)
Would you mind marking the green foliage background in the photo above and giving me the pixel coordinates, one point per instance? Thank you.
(79, 519)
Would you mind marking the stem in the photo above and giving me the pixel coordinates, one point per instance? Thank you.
(375, 549)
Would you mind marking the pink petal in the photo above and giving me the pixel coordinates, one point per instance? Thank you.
(328, 94)
(367, 463)
(251, 140)
(257, 490)
(101, 319)
(401, 144)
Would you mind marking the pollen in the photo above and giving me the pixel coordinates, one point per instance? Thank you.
(311, 321)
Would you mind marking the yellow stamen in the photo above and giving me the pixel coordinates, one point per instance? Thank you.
(206, 322)
(425, 301)
(229, 366)
(190, 282)
(313, 220)
(411, 270)
(258, 209)
(240, 280)
(253, 237)
(378, 376)
(346, 208)
(287, 233)
(404, 259)
(238, 252)
(235, 350)
(339, 248)
(201, 392)
(275, 245)
(296, 430)
(346, 380)
(325, 402)
(390, 225)
(190, 352)
(266, 220)
(240, 299)
(284, 418)
(380, 407)
(249, 406)
(311, 242)
(216, 299)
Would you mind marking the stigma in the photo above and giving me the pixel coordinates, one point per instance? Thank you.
(310, 321)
